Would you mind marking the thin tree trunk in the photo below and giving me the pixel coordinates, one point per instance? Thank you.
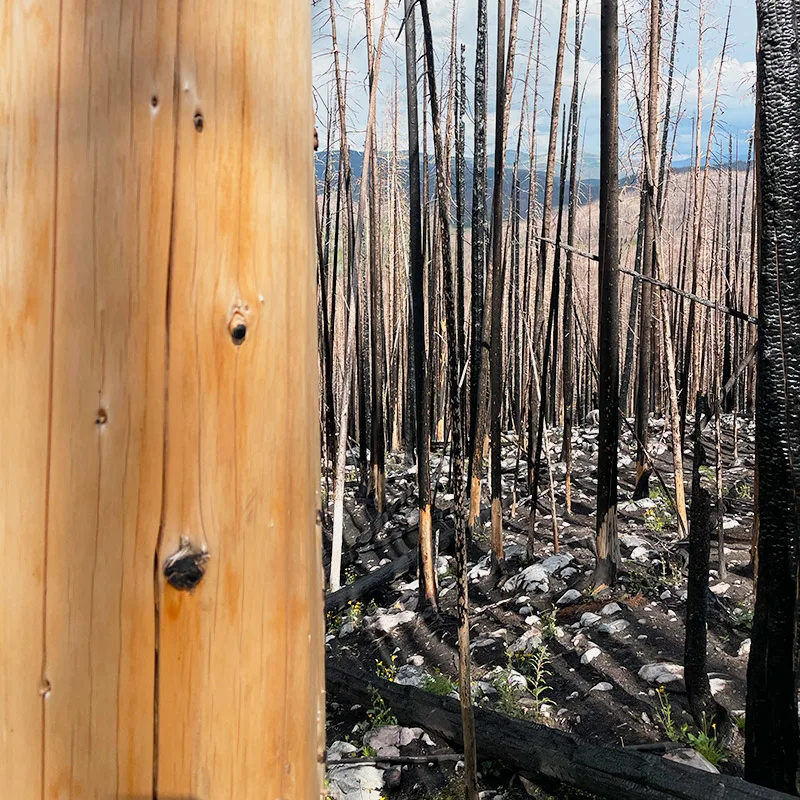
(443, 195)
(607, 543)
(427, 573)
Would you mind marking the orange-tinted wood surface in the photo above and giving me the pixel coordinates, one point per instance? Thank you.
(156, 206)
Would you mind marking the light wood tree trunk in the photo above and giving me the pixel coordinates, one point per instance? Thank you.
(157, 265)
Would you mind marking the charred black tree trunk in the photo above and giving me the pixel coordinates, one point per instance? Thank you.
(480, 350)
(704, 708)
(771, 757)
(608, 294)
(427, 589)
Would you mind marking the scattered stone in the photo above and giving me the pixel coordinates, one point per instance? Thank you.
(691, 758)
(554, 563)
(531, 579)
(573, 695)
(525, 611)
(641, 555)
(588, 619)
(662, 673)
(410, 675)
(570, 596)
(720, 588)
(717, 685)
(730, 522)
(442, 565)
(417, 661)
(603, 686)
(339, 749)
(529, 642)
(590, 655)
(482, 569)
(632, 542)
(355, 782)
(386, 623)
(568, 572)
(617, 626)
(666, 594)
(744, 648)
(610, 608)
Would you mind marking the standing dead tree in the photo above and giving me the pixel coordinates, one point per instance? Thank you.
(771, 753)
(608, 557)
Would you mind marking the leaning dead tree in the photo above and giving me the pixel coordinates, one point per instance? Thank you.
(771, 757)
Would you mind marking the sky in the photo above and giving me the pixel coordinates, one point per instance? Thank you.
(736, 104)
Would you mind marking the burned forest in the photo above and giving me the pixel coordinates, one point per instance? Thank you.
(558, 306)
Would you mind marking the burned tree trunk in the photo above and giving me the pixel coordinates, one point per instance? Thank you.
(771, 756)
(608, 295)
(427, 591)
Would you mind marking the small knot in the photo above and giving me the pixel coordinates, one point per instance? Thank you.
(198, 121)
(185, 568)
(101, 417)
(154, 101)
(237, 327)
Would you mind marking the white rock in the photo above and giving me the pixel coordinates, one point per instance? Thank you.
(720, 588)
(516, 680)
(588, 619)
(525, 611)
(556, 562)
(347, 628)
(662, 673)
(632, 542)
(641, 555)
(666, 594)
(570, 596)
(530, 641)
(590, 655)
(730, 522)
(442, 565)
(410, 675)
(603, 686)
(610, 608)
(617, 626)
(417, 661)
(744, 648)
(531, 579)
(481, 570)
(386, 623)
(355, 782)
(572, 695)
(691, 758)
(717, 685)
(339, 749)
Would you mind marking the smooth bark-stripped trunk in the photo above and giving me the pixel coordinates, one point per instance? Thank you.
(505, 74)
(355, 256)
(607, 543)
(480, 291)
(771, 755)
(427, 573)
(443, 197)
(549, 176)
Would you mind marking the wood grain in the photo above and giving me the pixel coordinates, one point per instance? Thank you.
(238, 695)
(28, 87)
(156, 192)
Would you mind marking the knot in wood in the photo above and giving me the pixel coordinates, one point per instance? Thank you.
(237, 328)
(199, 122)
(185, 568)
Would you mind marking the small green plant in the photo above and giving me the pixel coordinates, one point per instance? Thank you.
(369, 752)
(379, 714)
(333, 623)
(538, 680)
(507, 700)
(453, 790)
(350, 575)
(744, 491)
(706, 742)
(662, 515)
(386, 671)
(355, 612)
(549, 626)
(742, 617)
(439, 683)
(740, 722)
(663, 715)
